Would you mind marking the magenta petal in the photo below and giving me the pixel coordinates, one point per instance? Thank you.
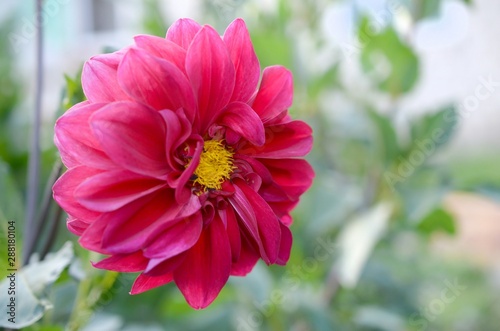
(138, 224)
(233, 232)
(176, 239)
(163, 48)
(241, 118)
(247, 216)
(182, 192)
(99, 79)
(75, 140)
(275, 93)
(294, 176)
(160, 266)
(145, 283)
(207, 266)
(183, 31)
(211, 73)
(91, 238)
(256, 167)
(111, 190)
(76, 226)
(247, 260)
(64, 192)
(156, 82)
(244, 59)
(123, 262)
(285, 246)
(133, 136)
(267, 221)
(292, 139)
(134, 226)
(178, 130)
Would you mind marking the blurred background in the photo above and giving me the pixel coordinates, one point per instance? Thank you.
(401, 229)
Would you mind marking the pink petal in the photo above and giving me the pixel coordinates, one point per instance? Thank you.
(76, 226)
(183, 31)
(156, 82)
(111, 190)
(75, 141)
(247, 260)
(64, 193)
(247, 216)
(182, 192)
(244, 59)
(211, 73)
(178, 130)
(123, 262)
(145, 283)
(273, 193)
(244, 121)
(275, 93)
(266, 219)
(134, 226)
(91, 238)
(294, 176)
(233, 232)
(257, 167)
(207, 266)
(176, 239)
(282, 209)
(133, 136)
(293, 139)
(162, 48)
(99, 79)
(285, 246)
(160, 266)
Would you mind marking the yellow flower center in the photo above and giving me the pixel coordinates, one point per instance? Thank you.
(216, 165)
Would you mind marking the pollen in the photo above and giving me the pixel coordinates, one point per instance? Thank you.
(216, 165)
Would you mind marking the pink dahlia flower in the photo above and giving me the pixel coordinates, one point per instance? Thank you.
(181, 166)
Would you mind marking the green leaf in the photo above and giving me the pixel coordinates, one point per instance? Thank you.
(32, 283)
(480, 171)
(313, 313)
(330, 79)
(379, 318)
(421, 190)
(45, 328)
(10, 87)
(11, 201)
(404, 64)
(433, 130)
(388, 141)
(429, 8)
(437, 221)
(153, 20)
(272, 47)
(73, 92)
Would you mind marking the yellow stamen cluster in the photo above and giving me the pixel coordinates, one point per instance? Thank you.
(216, 165)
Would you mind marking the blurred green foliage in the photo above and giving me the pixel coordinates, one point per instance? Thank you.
(361, 157)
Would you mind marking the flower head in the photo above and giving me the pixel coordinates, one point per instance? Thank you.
(181, 165)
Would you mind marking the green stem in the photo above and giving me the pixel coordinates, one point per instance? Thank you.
(89, 295)
(34, 160)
